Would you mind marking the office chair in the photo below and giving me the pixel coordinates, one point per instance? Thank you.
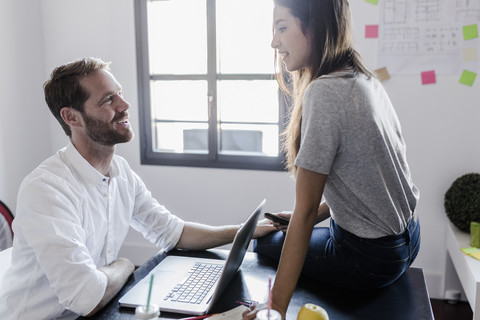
(6, 232)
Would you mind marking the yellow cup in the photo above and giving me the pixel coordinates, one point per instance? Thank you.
(311, 311)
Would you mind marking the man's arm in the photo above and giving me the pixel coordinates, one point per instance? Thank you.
(117, 274)
(197, 236)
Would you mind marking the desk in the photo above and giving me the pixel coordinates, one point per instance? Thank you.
(405, 299)
(467, 268)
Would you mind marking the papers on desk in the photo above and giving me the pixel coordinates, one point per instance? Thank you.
(233, 314)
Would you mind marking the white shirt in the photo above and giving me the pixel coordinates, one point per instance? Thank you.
(70, 220)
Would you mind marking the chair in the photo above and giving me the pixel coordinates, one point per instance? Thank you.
(6, 232)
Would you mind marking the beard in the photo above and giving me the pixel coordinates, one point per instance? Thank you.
(101, 131)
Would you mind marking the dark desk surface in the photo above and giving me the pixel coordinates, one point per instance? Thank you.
(405, 299)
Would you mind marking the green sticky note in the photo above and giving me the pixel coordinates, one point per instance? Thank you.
(469, 250)
(467, 78)
(470, 32)
(375, 2)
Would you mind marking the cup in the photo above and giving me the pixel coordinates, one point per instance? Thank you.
(153, 312)
(264, 315)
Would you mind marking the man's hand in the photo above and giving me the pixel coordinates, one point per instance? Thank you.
(117, 274)
(264, 227)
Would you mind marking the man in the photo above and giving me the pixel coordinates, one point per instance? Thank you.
(75, 209)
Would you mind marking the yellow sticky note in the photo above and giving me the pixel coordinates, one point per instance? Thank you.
(375, 2)
(467, 78)
(470, 54)
(476, 255)
(470, 32)
(382, 74)
(470, 250)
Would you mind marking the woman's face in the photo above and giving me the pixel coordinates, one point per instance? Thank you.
(289, 40)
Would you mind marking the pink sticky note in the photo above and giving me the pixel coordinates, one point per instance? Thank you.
(428, 77)
(371, 31)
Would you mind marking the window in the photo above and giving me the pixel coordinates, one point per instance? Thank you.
(207, 94)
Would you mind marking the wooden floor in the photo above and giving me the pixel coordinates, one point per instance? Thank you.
(443, 310)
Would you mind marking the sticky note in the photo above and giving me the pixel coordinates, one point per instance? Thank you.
(467, 78)
(476, 255)
(470, 32)
(382, 74)
(470, 250)
(375, 2)
(470, 54)
(428, 77)
(371, 31)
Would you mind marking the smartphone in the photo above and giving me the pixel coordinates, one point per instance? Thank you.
(276, 218)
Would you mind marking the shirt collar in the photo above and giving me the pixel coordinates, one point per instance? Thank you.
(89, 173)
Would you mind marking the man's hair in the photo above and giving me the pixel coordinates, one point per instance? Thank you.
(63, 89)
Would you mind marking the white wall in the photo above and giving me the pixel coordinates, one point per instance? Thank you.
(439, 122)
(440, 126)
(24, 119)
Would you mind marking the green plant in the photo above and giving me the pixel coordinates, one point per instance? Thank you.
(462, 201)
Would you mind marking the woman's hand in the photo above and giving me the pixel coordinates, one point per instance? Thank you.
(250, 313)
(283, 214)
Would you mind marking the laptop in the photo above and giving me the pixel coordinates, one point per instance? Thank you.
(174, 273)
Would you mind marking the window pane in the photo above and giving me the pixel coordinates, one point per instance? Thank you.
(248, 101)
(244, 34)
(177, 37)
(179, 100)
(181, 137)
(247, 139)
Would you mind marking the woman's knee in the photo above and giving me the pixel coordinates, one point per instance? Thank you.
(271, 245)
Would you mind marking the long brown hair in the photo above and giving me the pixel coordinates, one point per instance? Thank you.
(328, 24)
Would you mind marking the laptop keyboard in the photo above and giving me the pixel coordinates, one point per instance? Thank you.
(196, 285)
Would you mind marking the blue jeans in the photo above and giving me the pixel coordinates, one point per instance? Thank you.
(339, 258)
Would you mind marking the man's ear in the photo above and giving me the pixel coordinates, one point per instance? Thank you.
(71, 117)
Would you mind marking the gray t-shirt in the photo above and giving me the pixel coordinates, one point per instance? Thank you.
(351, 133)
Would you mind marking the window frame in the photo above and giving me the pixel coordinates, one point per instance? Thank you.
(213, 159)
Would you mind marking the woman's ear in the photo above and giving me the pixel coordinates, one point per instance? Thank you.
(70, 116)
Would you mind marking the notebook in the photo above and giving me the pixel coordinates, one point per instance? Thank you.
(174, 273)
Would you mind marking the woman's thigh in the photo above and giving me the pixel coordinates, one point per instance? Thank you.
(271, 245)
(349, 261)
(322, 261)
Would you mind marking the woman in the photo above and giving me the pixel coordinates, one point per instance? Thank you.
(343, 143)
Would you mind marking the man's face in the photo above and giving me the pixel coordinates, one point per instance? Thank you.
(105, 112)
